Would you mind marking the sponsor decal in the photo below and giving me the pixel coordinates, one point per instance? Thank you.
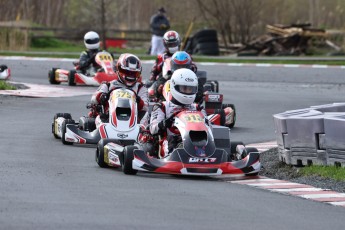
(122, 135)
(201, 160)
(214, 98)
(189, 79)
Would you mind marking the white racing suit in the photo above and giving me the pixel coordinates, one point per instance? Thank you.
(138, 88)
(161, 112)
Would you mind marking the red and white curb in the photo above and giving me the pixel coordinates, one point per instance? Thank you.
(35, 90)
(201, 63)
(294, 189)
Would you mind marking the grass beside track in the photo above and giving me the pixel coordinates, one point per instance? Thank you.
(74, 53)
(5, 86)
(333, 172)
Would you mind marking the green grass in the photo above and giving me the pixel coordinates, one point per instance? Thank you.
(5, 86)
(336, 173)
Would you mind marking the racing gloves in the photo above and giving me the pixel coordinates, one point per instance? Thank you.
(103, 98)
(167, 123)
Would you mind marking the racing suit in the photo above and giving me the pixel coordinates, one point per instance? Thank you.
(157, 66)
(166, 110)
(106, 88)
(87, 63)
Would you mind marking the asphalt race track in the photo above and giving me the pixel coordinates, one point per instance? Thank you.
(46, 185)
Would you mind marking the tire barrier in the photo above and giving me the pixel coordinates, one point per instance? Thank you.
(314, 135)
(203, 42)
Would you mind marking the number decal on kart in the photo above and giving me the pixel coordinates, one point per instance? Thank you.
(105, 57)
(122, 94)
(193, 118)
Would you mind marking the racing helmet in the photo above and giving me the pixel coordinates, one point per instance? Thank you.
(184, 86)
(171, 41)
(91, 40)
(179, 60)
(128, 69)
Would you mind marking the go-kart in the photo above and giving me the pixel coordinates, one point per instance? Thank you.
(105, 74)
(121, 124)
(202, 151)
(5, 72)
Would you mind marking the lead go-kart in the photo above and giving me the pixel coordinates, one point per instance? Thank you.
(121, 124)
(207, 96)
(73, 77)
(5, 72)
(203, 151)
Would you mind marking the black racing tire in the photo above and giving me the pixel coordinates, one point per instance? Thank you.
(234, 108)
(128, 156)
(99, 157)
(234, 145)
(51, 77)
(71, 78)
(250, 150)
(205, 33)
(87, 124)
(63, 131)
(207, 48)
(56, 116)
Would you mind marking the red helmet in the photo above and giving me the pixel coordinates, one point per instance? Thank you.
(171, 41)
(128, 69)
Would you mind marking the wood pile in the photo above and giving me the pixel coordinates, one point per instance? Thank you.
(281, 40)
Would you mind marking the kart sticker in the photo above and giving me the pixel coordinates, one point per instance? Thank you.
(105, 57)
(122, 94)
(202, 160)
(193, 118)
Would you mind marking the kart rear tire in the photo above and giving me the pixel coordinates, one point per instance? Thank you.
(234, 108)
(71, 78)
(87, 124)
(51, 77)
(128, 156)
(63, 131)
(56, 116)
(99, 157)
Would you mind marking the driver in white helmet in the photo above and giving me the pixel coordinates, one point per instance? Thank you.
(87, 63)
(183, 89)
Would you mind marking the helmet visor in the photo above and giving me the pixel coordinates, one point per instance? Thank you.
(175, 66)
(130, 75)
(186, 89)
(92, 41)
(173, 43)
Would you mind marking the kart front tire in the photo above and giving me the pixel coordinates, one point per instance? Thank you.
(71, 78)
(63, 131)
(87, 124)
(51, 77)
(56, 116)
(128, 157)
(233, 108)
(99, 157)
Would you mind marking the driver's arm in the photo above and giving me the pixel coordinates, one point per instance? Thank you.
(157, 116)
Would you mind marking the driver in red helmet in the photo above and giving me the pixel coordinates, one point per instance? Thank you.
(172, 41)
(128, 68)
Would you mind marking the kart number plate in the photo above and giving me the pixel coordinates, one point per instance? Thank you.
(122, 94)
(193, 118)
(105, 57)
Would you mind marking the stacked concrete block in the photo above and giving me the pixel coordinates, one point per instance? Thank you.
(314, 135)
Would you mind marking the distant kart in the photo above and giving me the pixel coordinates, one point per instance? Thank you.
(5, 72)
(199, 153)
(121, 126)
(74, 77)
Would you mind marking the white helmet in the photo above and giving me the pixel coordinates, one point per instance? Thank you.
(184, 86)
(91, 40)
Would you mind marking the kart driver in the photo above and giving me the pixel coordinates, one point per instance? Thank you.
(128, 69)
(87, 63)
(171, 41)
(183, 88)
(180, 59)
